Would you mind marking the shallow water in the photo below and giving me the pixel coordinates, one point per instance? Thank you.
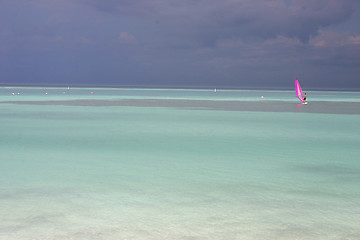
(178, 171)
(48, 94)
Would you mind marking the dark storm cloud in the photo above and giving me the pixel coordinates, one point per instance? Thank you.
(213, 20)
(203, 43)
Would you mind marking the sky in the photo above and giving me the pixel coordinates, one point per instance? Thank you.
(187, 43)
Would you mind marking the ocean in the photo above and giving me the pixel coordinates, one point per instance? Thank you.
(113, 163)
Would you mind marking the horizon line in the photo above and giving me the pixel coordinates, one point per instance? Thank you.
(5, 85)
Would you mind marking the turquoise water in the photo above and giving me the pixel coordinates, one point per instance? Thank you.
(115, 171)
(49, 94)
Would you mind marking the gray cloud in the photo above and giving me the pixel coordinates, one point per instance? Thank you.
(211, 20)
(232, 43)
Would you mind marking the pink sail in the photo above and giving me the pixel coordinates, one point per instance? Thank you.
(298, 91)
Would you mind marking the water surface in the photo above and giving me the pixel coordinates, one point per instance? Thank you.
(178, 164)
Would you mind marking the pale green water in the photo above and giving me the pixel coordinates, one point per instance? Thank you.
(135, 172)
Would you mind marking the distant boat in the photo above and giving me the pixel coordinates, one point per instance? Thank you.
(215, 90)
(299, 92)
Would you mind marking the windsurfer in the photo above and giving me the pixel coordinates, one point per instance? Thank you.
(304, 97)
